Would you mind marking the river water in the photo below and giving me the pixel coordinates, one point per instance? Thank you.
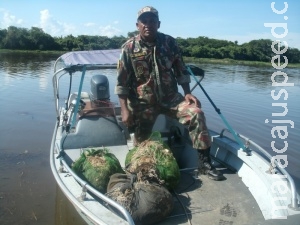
(28, 192)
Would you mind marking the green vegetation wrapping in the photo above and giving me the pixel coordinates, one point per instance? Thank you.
(154, 154)
(96, 167)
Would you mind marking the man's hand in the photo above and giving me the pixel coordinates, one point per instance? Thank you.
(192, 99)
(127, 117)
(189, 98)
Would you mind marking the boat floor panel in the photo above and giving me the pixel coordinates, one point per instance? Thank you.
(213, 202)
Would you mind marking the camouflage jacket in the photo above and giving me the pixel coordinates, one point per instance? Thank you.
(151, 74)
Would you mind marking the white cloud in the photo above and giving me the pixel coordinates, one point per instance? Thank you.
(9, 19)
(54, 27)
(109, 31)
(89, 24)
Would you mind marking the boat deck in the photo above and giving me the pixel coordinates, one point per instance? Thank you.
(228, 202)
(204, 201)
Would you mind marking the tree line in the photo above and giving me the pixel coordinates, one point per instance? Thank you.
(201, 47)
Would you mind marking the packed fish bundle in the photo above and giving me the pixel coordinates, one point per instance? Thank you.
(148, 202)
(96, 167)
(154, 156)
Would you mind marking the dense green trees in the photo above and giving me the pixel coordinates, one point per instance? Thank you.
(200, 47)
(256, 50)
(24, 39)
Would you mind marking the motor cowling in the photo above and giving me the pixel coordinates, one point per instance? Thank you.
(99, 87)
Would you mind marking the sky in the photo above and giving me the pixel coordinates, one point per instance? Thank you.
(233, 20)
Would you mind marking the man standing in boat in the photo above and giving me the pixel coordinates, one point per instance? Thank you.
(149, 69)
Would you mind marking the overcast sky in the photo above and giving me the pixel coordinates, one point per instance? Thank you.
(234, 20)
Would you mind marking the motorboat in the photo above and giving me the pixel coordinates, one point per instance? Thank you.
(257, 189)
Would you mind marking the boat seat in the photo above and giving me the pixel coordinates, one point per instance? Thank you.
(94, 131)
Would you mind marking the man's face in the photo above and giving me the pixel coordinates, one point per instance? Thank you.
(148, 25)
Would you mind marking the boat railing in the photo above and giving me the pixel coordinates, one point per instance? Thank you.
(55, 83)
(248, 142)
(87, 187)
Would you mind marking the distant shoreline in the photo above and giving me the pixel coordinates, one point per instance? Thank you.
(32, 51)
(186, 59)
(234, 62)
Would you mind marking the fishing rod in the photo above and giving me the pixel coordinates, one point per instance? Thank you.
(235, 135)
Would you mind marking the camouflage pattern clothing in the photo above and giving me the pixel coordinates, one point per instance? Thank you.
(149, 76)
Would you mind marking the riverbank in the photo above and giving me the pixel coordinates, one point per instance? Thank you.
(186, 59)
(31, 51)
(235, 62)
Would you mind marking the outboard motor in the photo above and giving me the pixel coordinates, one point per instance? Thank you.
(100, 88)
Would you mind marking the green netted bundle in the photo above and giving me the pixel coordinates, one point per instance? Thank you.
(154, 155)
(96, 167)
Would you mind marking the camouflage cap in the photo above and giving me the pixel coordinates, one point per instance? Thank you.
(148, 9)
